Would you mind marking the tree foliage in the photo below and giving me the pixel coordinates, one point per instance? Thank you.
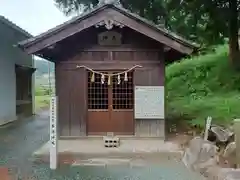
(207, 22)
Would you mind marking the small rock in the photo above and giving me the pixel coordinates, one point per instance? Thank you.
(222, 134)
(229, 174)
(204, 166)
(230, 150)
(229, 154)
(200, 154)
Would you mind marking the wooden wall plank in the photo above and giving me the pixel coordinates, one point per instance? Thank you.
(149, 76)
(82, 103)
(153, 76)
(150, 128)
(62, 92)
(73, 83)
(74, 98)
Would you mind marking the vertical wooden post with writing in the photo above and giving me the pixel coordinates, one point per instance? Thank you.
(53, 133)
(237, 140)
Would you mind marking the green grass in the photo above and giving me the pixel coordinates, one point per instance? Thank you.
(203, 86)
(41, 102)
(42, 97)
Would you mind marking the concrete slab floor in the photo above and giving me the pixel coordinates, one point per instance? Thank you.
(134, 159)
(91, 146)
(19, 141)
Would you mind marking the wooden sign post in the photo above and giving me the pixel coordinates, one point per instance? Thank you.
(53, 133)
(207, 127)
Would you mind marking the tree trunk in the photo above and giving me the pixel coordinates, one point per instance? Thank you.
(233, 34)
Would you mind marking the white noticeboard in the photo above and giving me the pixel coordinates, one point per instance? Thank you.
(53, 133)
(149, 102)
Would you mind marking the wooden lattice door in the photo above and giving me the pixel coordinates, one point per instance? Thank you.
(110, 107)
(121, 113)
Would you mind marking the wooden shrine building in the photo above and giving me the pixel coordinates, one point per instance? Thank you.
(109, 70)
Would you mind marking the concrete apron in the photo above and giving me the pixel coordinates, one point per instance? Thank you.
(92, 152)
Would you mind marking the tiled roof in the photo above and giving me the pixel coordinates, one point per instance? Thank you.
(119, 8)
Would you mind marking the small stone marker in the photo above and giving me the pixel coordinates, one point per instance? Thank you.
(237, 140)
(53, 133)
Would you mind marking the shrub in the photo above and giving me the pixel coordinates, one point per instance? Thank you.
(203, 86)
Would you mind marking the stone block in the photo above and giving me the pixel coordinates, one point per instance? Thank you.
(110, 141)
(200, 155)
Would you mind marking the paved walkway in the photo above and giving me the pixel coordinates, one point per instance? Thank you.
(20, 140)
(95, 146)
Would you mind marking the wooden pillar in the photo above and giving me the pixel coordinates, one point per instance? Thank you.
(237, 140)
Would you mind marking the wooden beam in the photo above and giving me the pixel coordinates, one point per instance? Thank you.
(106, 66)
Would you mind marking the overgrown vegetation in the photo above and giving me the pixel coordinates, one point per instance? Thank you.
(203, 86)
(42, 91)
(41, 102)
(42, 98)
